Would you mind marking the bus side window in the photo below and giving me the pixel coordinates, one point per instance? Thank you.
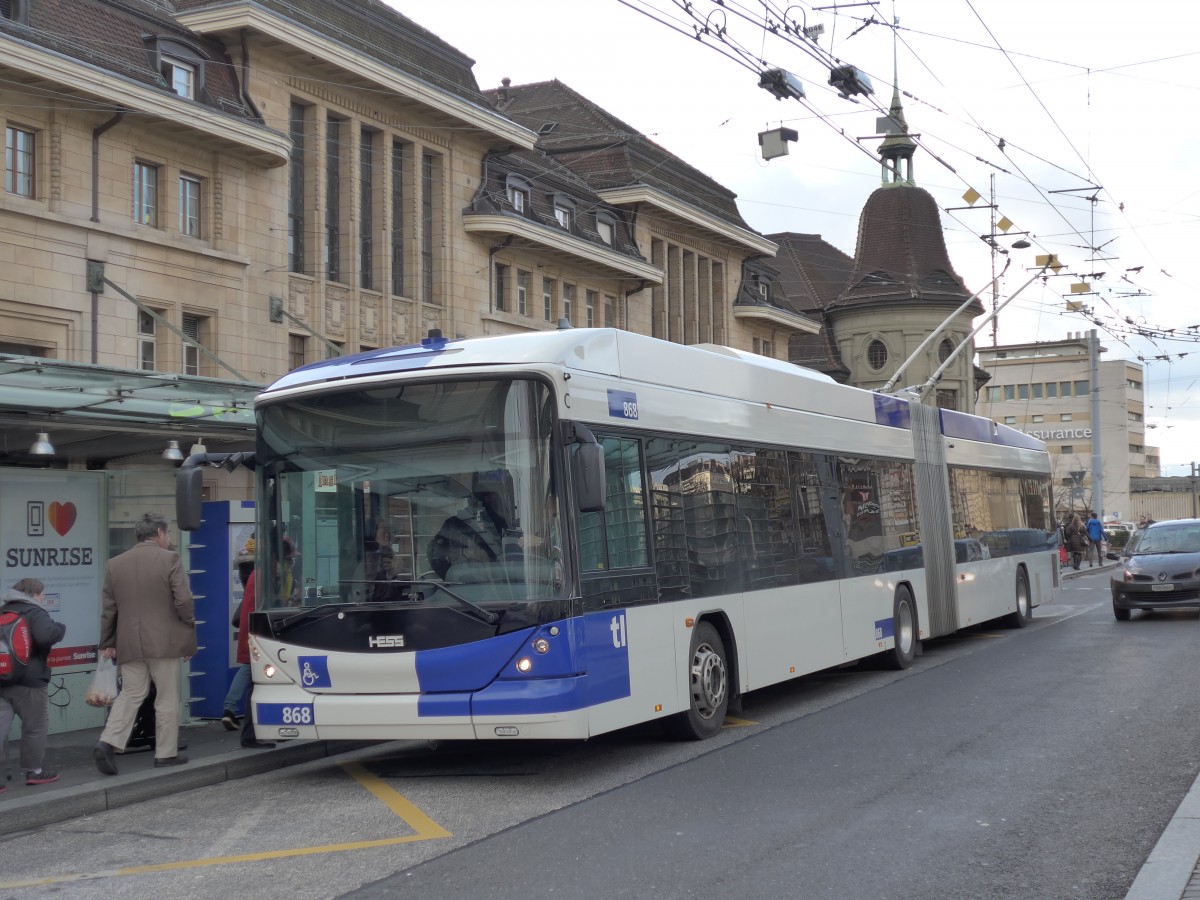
(615, 538)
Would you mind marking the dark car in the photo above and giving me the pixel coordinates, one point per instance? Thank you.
(1160, 569)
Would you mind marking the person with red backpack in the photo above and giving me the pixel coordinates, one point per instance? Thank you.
(26, 635)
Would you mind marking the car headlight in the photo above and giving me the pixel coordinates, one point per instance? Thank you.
(1127, 575)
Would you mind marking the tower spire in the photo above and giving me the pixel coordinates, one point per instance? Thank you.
(897, 147)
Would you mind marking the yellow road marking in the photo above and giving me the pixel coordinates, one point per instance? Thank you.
(731, 722)
(424, 829)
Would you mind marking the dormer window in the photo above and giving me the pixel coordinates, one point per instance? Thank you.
(517, 191)
(15, 11)
(564, 212)
(180, 66)
(606, 227)
(179, 76)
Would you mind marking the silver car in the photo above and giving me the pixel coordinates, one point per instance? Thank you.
(1160, 569)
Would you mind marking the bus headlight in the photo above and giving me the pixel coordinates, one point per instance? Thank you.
(269, 671)
(524, 664)
(541, 645)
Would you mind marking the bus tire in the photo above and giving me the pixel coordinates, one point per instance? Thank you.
(1023, 614)
(904, 631)
(708, 686)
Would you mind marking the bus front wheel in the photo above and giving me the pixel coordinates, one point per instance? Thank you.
(708, 685)
(904, 630)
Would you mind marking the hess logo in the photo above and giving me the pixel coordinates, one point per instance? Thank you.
(385, 640)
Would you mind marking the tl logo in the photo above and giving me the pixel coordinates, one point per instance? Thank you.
(61, 516)
(617, 627)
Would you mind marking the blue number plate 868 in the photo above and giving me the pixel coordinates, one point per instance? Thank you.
(285, 713)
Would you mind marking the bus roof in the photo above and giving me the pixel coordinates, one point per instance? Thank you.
(703, 368)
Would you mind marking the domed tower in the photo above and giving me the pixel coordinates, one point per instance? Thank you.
(902, 286)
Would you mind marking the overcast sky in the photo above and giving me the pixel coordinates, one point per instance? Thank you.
(1092, 100)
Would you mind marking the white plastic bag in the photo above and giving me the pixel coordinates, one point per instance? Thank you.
(103, 688)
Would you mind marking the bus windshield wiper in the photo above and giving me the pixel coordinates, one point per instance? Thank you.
(313, 612)
(484, 615)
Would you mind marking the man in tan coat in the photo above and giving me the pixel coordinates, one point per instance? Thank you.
(147, 625)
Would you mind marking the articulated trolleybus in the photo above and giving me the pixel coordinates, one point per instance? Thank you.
(559, 534)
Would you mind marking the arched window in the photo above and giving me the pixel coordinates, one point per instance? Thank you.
(945, 348)
(877, 354)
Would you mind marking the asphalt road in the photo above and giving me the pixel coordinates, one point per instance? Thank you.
(1041, 763)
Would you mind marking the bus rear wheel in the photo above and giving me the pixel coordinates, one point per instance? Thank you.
(1023, 614)
(708, 684)
(904, 631)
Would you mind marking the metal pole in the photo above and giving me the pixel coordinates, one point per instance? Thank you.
(1097, 462)
(1195, 498)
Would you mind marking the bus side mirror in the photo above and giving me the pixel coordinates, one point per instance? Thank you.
(588, 473)
(189, 498)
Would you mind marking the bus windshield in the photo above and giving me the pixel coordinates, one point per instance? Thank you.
(433, 492)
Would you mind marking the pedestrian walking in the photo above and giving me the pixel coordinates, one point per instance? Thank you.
(1095, 532)
(1077, 540)
(28, 697)
(248, 737)
(147, 625)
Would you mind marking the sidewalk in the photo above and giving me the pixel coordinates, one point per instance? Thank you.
(214, 755)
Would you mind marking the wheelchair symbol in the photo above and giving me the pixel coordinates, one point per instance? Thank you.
(307, 676)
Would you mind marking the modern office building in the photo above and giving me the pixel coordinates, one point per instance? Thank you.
(1045, 390)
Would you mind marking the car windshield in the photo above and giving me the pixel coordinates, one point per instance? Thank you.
(415, 493)
(1168, 537)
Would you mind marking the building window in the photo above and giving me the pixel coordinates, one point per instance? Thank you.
(610, 311)
(547, 299)
(1137, 448)
(333, 350)
(145, 194)
(945, 348)
(191, 353)
(333, 199)
(589, 309)
(1008, 420)
(399, 166)
(947, 398)
(15, 11)
(877, 355)
(1039, 419)
(1051, 390)
(429, 186)
(1136, 385)
(1037, 390)
(564, 212)
(1081, 389)
(1066, 449)
(1010, 392)
(522, 292)
(519, 198)
(1022, 392)
(189, 206)
(179, 76)
(568, 300)
(18, 161)
(366, 209)
(1064, 389)
(501, 286)
(147, 341)
(604, 227)
(296, 189)
(297, 350)
(994, 395)
(1066, 417)
(1135, 417)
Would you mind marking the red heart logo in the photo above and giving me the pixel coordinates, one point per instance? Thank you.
(62, 517)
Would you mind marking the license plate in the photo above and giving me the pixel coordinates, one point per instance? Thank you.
(1162, 587)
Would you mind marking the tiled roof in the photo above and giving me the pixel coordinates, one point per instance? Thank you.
(376, 30)
(812, 273)
(608, 152)
(546, 177)
(112, 36)
(901, 254)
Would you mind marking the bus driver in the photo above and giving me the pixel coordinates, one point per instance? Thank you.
(476, 533)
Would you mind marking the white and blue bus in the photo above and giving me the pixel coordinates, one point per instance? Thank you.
(558, 534)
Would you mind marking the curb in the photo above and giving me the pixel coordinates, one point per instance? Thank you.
(116, 791)
(1167, 872)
